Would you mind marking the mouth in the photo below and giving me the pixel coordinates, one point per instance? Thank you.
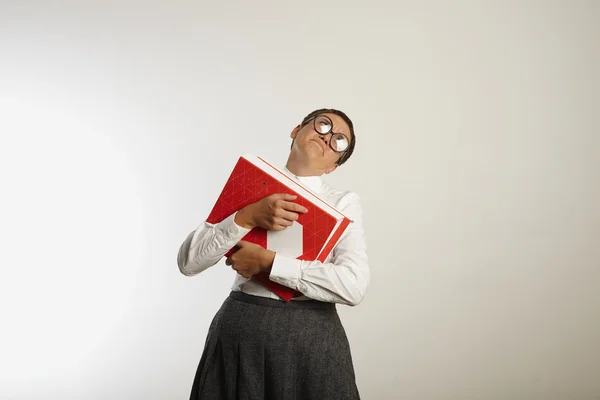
(321, 144)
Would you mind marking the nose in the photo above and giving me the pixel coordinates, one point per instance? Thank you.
(325, 138)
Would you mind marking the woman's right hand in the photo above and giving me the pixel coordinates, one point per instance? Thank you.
(274, 212)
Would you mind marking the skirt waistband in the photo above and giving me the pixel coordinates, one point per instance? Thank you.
(268, 302)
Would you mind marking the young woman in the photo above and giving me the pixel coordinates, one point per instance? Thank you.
(258, 346)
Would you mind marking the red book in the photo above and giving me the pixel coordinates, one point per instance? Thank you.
(312, 237)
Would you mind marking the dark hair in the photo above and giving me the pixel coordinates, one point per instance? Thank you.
(346, 155)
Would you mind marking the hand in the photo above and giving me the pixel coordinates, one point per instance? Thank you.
(275, 212)
(250, 259)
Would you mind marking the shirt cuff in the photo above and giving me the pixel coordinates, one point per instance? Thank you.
(286, 271)
(230, 230)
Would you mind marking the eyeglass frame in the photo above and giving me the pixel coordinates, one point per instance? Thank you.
(314, 118)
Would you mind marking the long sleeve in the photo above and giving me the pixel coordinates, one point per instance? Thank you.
(206, 245)
(344, 277)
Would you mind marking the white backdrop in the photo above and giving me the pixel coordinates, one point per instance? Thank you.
(478, 162)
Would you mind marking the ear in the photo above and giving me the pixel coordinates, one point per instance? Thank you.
(295, 132)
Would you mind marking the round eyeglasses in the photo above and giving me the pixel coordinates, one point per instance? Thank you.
(323, 126)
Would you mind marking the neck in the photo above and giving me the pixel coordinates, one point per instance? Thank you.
(301, 167)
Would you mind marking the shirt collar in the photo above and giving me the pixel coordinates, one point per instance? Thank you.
(313, 183)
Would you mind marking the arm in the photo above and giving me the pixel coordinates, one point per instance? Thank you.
(206, 245)
(344, 278)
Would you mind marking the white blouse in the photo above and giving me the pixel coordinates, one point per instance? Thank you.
(343, 277)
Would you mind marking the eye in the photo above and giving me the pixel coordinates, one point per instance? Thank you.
(339, 142)
(322, 125)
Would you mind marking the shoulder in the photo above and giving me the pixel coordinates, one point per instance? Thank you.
(340, 198)
(348, 202)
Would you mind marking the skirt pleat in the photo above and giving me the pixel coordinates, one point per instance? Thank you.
(265, 349)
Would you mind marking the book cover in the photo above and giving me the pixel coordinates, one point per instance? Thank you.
(312, 237)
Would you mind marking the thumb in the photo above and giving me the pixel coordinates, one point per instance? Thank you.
(242, 244)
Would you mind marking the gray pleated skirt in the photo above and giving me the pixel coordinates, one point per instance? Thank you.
(264, 349)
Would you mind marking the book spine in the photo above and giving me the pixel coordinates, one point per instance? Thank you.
(333, 240)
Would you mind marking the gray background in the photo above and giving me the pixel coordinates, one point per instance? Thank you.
(478, 162)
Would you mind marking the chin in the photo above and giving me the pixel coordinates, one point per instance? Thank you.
(310, 160)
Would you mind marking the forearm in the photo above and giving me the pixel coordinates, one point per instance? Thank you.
(344, 281)
(205, 246)
(244, 218)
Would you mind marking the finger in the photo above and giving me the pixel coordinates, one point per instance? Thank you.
(287, 215)
(282, 221)
(286, 205)
(283, 196)
(228, 261)
(242, 243)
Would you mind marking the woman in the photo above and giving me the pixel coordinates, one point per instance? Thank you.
(258, 346)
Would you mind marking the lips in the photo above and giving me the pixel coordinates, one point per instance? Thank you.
(321, 144)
